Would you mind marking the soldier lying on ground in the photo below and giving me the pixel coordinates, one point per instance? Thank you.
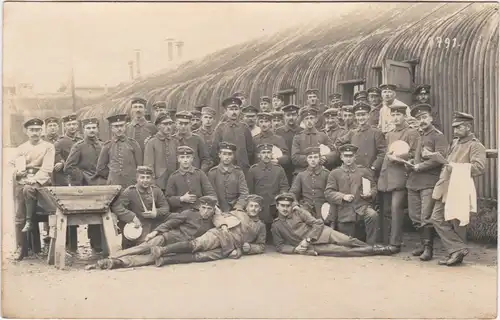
(184, 226)
(236, 233)
(297, 231)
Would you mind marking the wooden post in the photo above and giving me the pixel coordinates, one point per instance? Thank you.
(60, 246)
(112, 241)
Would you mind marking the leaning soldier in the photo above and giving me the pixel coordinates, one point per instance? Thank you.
(188, 184)
(466, 148)
(288, 132)
(423, 176)
(228, 180)
(267, 135)
(37, 158)
(237, 233)
(120, 156)
(139, 128)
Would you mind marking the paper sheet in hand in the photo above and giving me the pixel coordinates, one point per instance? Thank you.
(20, 163)
(437, 156)
(366, 186)
(325, 210)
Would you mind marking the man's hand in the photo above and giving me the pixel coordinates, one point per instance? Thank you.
(392, 157)
(274, 161)
(246, 247)
(150, 235)
(365, 196)
(149, 214)
(58, 166)
(300, 249)
(348, 197)
(322, 160)
(137, 222)
(188, 198)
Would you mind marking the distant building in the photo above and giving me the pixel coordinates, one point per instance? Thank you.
(90, 92)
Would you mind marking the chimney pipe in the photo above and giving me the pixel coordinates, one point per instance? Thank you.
(170, 49)
(131, 69)
(138, 62)
(180, 45)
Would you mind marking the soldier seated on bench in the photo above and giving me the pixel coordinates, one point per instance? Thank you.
(34, 161)
(297, 231)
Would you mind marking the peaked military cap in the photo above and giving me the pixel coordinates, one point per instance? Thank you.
(278, 95)
(398, 108)
(255, 198)
(185, 150)
(232, 101)
(286, 196)
(208, 110)
(265, 147)
(250, 109)
(348, 148)
(210, 201)
(265, 115)
(265, 99)
(336, 96)
(52, 120)
(227, 146)
(420, 108)
(198, 108)
(34, 122)
(423, 88)
(239, 94)
(386, 86)
(90, 121)
(347, 108)
(277, 114)
(118, 118)
(163, 118)
(290, 108)
(374, 90)
(312, 90)
(139, 100)
(196, 114)
(71, 117)
(461, 117)
(312, 150)
(337, 104)
(361, 95)
(144, 170)
(308, 111)
(331, 112)
(160, 105)
(184, 115)
(361, 106)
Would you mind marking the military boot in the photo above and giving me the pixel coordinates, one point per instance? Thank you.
(428, 244)
(20, 252)
(420, 249)
(175, 259)
(28, 226)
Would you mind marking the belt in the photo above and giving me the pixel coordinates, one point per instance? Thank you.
(32, 170)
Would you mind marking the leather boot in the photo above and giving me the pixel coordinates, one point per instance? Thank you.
(418, 251)
(428, 244)
(20, 252)
(28, 226)
(175, 259)
(457, 257)
(179, 247)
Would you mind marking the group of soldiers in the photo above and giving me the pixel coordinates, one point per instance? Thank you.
(200, 190)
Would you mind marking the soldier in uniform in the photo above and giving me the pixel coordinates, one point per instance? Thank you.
(38, 159)
(422, 94)
(267, 179)
(242, 96)
(228, 180)
(360, 96)
(466, 148)
(51, 129)
(313, 102)
(184, 226)
(265, 104)
(160, 152)
(423, 177)
(334, 98)
(120, 156)
(388, 93)
(348, 119)
(195, 120)
(139, 128)
(332, 129)
(237, 233)
(188, 184)
(185, 137)
(288, 132)
(268, 136)
(250, 119)
(310, 137)
(392, 180)
(143, 204)
(278, 102)
(235, 132)
(206, 131)
(159, 108)
(344, 190)
(277, 119)
(296, 231)
(375, 101)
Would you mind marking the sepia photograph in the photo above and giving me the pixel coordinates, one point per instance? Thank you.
(250, 160)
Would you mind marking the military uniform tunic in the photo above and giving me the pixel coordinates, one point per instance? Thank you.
(82, 161)
(207, 136)
(201, 156)
(309, 187)
(278, 141)
(63, 147)
(160, 154)
(118, 161)
(140, 130)
(230, 186)
(306, 139)
(51, 138)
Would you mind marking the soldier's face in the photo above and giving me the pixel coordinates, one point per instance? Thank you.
(265, 124)
(361, 117)
(266, 156)
(34, 133)
(118, 129)
(52, 128)
(166, 127)
(253, 208)
(243, 100)
(183, 125)
(374, 99)
(348, 117)
(159, 112)
(312, 98)
(462, 130)
(226, 157)
(424, 120)
(284, 208)
(277, 122)
(144, 180)
(313, 160)
(207, 120)
(331, 119)
(71, 126)
(195, 123)
(206, 211)
(265, 106)
(423, 97)
(233, 112)
(397, 117)
(388, 95)
(348, 158)
(310, 121)
(185, 160)
(250, 119)
(91, 130)
(291, 118)
(138, 110)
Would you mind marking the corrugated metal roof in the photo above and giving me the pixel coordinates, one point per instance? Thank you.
(463, 77)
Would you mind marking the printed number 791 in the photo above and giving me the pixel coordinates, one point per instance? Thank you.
(443, 42)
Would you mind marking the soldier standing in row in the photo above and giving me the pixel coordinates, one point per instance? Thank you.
(206, 131)
(422, 94)
(250, 119)
(288, 132)
(278, 102)
(360, 96)
(348, 118)
(332, 128)
(313, 102)
(267, 135)
(51, 130)
(159, 108)
(120, 156)
(277, 119)
(375, 101)
(388, 93)
(196, 119)
(139, 128)
(265, 104)
(160, 151)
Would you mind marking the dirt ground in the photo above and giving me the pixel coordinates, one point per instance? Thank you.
(265, 286)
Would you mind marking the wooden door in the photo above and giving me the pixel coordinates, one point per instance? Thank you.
(400, 74)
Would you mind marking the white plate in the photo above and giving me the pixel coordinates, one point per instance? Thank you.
(277, 153)
(399, 148)
(324, 150)
(131, 232)
(255, 131)
(325, 210)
